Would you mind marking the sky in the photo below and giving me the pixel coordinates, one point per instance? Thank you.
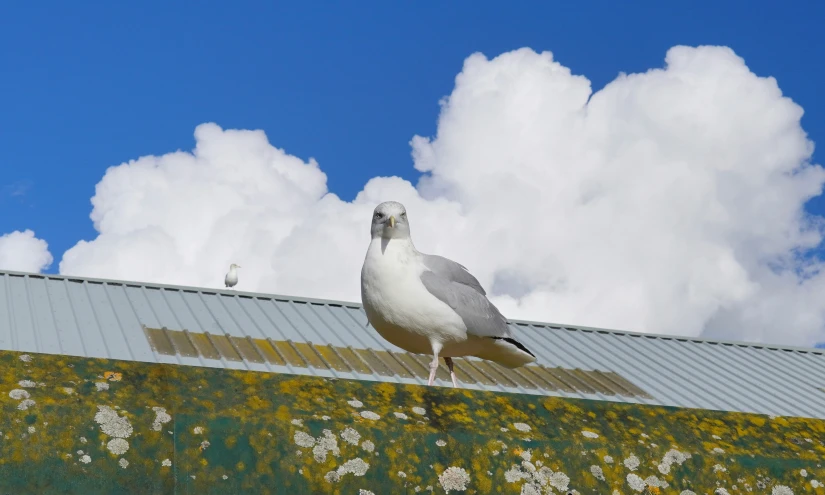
(643, 166)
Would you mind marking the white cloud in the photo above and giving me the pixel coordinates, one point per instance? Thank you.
(670, 201)
(22, 251)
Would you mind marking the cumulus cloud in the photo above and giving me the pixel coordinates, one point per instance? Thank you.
(670, 201)
(22, 251)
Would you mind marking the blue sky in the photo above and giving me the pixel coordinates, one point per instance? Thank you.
(93, 84)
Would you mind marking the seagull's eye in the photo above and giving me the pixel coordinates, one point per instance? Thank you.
(404, 214)
(379, 215)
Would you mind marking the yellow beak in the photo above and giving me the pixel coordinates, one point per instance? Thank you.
(392, 222)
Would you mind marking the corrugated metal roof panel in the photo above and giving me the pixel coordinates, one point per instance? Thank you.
(201, 327)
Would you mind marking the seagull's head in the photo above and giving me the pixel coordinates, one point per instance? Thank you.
(233, 266)
(389, 221)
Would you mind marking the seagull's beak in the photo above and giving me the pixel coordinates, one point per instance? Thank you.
(392, 222)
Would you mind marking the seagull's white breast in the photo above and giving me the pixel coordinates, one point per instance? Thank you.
(397, 303)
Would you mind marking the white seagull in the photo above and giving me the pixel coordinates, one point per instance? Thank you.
(232, 277)
(427, 304)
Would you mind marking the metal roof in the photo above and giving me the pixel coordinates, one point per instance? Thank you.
(204, 327)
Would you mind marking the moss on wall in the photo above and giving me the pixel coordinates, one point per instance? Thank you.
(77, 425)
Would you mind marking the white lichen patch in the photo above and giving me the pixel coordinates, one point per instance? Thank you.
(19, 394)
(559, 480)
(536, 479)
(225, 477)
(608, 459)
(368, 445)
(297, 422)
(123, 463)
(25, 358)
(717, 450)
(672, 456)
(86, 459)
(303, 439)
(25, 404)
(522, 427)
(351, 436)
(721, 491)
(440, 443)
(82, 439)
(716, 437)
(781, 490)
(718, 468)
(370, 415)
(656, 482)
(816, 484)
(366, 492)
(101, 386)
(355, 403)
(632, 462)
(328, 442)
(687, 492)
(419, 410)
(205, 445)
(597, 472)
(197, 430)
(402, 474)
(111, 424)
(803, 473)
(454, 478)
(32, 429)
(356, 467)
(27, 383)
(161, 418)
(166, 463)
(589, 434)
(635, 482)
(400, 415)
(117, 446)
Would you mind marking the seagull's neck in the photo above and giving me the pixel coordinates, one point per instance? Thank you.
(393, 247)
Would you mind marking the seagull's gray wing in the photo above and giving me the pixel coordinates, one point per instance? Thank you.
(452, 271)
(454, 285)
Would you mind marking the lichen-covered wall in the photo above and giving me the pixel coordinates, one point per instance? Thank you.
(94, 426)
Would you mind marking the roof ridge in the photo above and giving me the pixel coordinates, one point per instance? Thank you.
(355, 305)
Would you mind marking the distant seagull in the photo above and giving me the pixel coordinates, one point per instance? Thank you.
(231, 277)
(427, 304)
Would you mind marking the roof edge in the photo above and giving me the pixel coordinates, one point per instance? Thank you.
(354, 305)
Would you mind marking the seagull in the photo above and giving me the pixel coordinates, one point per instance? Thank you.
(428, 304)
(232, 277)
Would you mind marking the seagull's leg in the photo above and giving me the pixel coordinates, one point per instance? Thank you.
(449, 362)
(434, 365)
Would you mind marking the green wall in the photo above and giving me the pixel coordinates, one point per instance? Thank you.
(223, 431)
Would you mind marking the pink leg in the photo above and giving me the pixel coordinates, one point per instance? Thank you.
(434, 365)
(449, 362)
(433, 369)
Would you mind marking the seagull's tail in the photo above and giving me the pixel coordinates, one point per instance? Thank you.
(507, 352)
